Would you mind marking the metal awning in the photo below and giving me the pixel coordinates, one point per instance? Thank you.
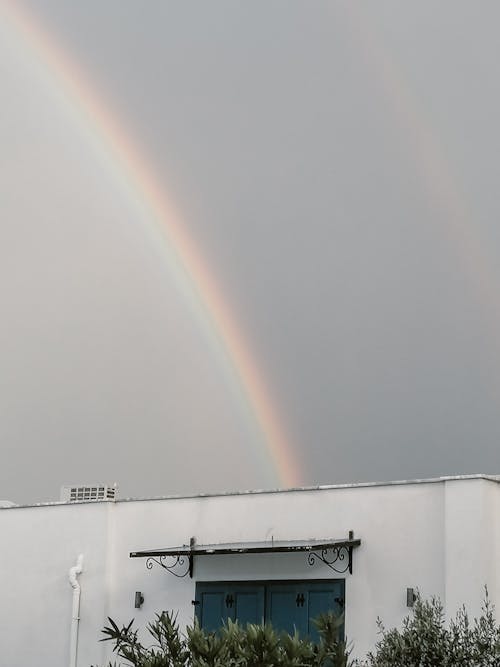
(335, 553)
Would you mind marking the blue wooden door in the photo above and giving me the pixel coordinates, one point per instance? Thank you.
(288, 606)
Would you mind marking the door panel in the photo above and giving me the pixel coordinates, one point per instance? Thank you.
(322, 599)
(249, 605)
(212, 610)
(286, 609)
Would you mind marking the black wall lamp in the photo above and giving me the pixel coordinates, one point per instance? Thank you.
(139, 600)
(411, 597)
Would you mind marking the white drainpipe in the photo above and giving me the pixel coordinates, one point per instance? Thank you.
(75, 614)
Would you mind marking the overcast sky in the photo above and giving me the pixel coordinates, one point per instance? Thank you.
(336, 163)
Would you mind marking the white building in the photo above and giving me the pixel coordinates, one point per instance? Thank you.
(254, 554)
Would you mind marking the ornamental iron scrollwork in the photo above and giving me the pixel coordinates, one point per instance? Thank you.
(180, 566)
(338, 559)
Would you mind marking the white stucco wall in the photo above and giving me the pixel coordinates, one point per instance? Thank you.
(38, 546)
(438, 536)
(470, 540)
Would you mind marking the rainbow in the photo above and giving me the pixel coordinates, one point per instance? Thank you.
(131, 168)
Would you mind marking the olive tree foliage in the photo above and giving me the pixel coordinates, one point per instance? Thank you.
(425, 640)
(233, 646)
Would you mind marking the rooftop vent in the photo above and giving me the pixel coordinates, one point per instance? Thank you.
(88, 492)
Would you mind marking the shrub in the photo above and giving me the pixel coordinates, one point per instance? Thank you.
(233, 646)
(425, 641)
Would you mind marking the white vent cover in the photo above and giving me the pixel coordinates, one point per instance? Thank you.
(86, 492)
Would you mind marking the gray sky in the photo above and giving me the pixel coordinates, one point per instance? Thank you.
(336, 163)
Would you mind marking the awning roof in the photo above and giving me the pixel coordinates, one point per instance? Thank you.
(269, 546)
(335, 553)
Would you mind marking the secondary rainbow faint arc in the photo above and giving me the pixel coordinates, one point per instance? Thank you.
(134, 168)
(431, 161)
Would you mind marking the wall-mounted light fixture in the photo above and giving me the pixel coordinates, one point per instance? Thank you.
(139, 600)
(411, 597)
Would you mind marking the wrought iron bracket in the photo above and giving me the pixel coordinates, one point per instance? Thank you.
(179, 566)
(337, 558)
